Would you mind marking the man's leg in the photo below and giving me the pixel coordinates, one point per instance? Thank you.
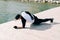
(38, 21)
(47, 19)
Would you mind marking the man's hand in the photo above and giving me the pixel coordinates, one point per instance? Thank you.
(17, 27)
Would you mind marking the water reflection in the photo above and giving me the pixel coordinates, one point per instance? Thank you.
(8, 10)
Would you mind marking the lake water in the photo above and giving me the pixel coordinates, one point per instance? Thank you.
(9, 9)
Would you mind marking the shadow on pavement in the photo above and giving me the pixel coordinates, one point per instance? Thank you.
(42, 26)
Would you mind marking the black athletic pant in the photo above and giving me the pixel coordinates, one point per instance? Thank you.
(37, 21)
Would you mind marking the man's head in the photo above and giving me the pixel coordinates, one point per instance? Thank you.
(18, 16)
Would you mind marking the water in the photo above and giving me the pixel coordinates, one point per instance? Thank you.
(8, 10)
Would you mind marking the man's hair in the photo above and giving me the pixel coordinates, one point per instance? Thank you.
(17, 16)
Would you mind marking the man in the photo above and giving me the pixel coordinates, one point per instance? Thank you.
(26, 16)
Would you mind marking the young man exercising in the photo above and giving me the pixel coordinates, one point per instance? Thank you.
(27, 16)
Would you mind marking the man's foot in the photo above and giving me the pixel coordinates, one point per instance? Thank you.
(18, 27)
(52, 20)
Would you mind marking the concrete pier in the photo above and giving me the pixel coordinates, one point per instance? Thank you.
(44, 31)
